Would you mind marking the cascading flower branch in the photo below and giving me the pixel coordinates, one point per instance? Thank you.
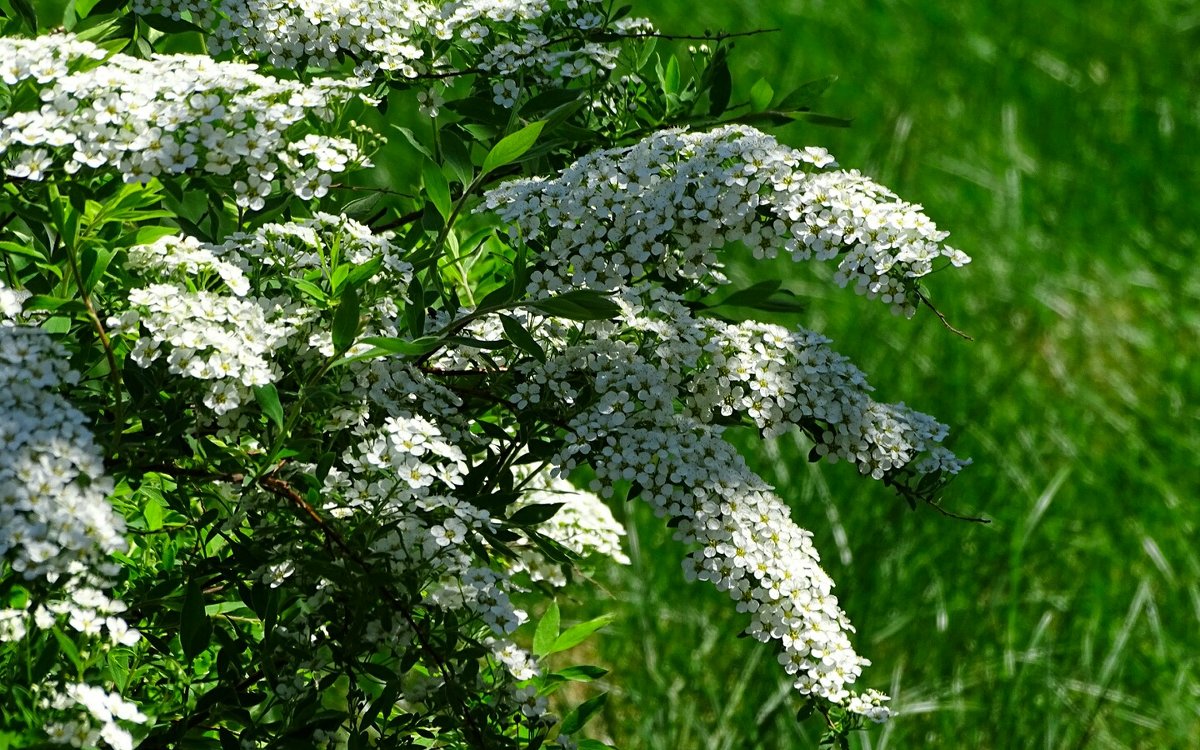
(665, 206)
(626, 220)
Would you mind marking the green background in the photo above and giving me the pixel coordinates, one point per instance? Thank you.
(1058, 144)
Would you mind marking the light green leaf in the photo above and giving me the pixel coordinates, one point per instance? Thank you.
(437, 188)
(512, 147)
(576, 634)
(547, 631)
(761, 95)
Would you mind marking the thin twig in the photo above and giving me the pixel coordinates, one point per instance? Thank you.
(941, 317)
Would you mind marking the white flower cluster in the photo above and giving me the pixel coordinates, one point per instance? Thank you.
(784, 378)
(584, 525)
(747, 544)
(667, 204)
(516, 39)
(227, 341)
(54, 513)
(105, 711)
(226, 335)
(169, 115)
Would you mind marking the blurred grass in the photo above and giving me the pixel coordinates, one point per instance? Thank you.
(1058, 143)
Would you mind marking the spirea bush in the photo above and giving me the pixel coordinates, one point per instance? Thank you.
(330, 331)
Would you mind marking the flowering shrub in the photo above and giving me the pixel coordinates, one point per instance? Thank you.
(292, 445)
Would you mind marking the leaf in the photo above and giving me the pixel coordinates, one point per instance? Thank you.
(409, 348)
(27, 13)
(14, 248)
(751, 294)
(581, 673)
(517, 334)
(722, 84)
(806, 96)
(436, 188)
(817, 118)
(581, 304)
(267, 397)
(346, 320)
(761, 95)
(152, 511)
(474, 343)
(670, 76)
(195, 630)
(412, 141)
(583, 713)
(512, 147)
(414, 311)
(577, 634)
(547, 631)
(534, 515)
(498, 297)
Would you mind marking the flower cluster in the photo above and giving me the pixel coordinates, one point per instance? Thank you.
(102, 721)
(667, 204)
(167, 116)
(522, 42)
(747, 544)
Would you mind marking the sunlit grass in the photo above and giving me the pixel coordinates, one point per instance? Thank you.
(1058, 143)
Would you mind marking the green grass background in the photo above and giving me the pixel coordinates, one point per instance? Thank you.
(1058, 142)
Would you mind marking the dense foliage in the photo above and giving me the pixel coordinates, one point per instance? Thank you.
(287, 438)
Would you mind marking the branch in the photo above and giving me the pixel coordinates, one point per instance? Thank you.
(927, 303)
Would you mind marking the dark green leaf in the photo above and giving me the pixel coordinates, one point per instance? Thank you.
(267, 397)
(517, 334)
(27, 13)
(473, 343)
(512, 147)
(346, 320)
(721, 84)
(751, 294)
(195, 630)
(582, 304)
(414, 348)
(817, 118)
(533, 515)
(583, 713)
(547, 631)
(498, 297)
(803, 98)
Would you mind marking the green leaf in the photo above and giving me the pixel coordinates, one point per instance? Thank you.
(14, 248)
(576, 634)
(751, 294)
(547, 631)
(517, 334)
(267, 397)
(414, 311)
(27, 13)
(195, 629)
(68, 647)
(412, 141)
(533, 515)
(152, 511)
(803, 98)
(670, 76)
(722, 84)
(346, 320)
(583, 713)
(414, 348)
(581, 304)
(436, 188)
(761, 95)
(581, 673)
(819, 119)
(474, 343)
(512, 147)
